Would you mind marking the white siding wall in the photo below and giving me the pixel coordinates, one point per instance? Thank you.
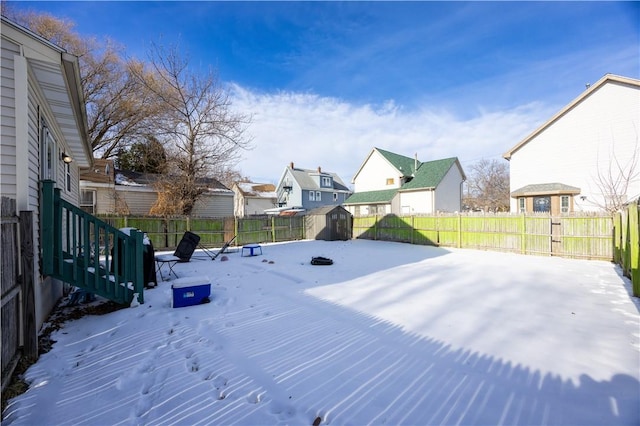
(105, 200)
(580, 145)
(8, 130)
(295, 197)
(448, 192)
(215, 205)
(373, 176)
(258, 205)
(139, 200)
(416, 202)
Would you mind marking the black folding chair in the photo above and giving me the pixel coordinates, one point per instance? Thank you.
(183, 253)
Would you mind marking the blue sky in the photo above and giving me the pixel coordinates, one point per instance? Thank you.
(327, 81)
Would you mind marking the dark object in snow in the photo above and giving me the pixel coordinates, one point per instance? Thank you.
(321, 261)
(80, 296)
(317, 421)
(224, 247)
(183, 253)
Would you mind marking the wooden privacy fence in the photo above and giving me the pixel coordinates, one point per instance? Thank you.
(19, 334)
(626, 243)
(585, 237)
(165, 233)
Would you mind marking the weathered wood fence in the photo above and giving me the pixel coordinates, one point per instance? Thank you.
(599, 237)
(165, 233)
(585, 237)
(19, 334)
(626, 241)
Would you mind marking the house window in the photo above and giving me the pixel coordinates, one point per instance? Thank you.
(88, 201)
(541, 204)
(390, 181)
(67, 174)
(564, 204)
(49, 153)
(312, 196)
(326, 181)
(521, 205)
(318, 196)
(335, 196)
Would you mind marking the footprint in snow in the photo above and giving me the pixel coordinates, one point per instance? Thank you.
(255, 397)
(282, 411)
(192, 365)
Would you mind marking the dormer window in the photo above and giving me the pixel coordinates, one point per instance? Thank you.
(325, 181)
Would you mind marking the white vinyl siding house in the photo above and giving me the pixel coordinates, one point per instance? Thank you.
(379, 174)
(43, 117)
(389, 183)
(587, 140)
(253, 198)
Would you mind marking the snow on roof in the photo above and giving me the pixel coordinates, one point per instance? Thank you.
(123, 180)
(263, 190)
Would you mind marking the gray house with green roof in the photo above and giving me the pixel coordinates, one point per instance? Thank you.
(390, 183)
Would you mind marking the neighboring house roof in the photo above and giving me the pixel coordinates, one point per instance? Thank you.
(545, 189)
(431, 173)
(131, 178)
(405, 165)
(427, 177)
(101, 172)
(383, 196)
(608, 78)
(304, 179)
(257, 190)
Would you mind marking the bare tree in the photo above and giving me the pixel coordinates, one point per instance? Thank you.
(488, 186)
(118, 107)
(201, 132)
(614, 182)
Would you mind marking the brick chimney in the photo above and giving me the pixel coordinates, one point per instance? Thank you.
(319, 169)
(291, 164)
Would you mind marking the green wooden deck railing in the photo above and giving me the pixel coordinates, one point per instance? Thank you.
(90, 254)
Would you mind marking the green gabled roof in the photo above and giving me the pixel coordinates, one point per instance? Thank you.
(372, 197)
(430, 174)
(400, 162)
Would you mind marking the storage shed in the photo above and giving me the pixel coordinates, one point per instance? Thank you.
(329, 223)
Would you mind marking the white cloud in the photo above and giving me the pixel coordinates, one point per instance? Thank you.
(313, 131)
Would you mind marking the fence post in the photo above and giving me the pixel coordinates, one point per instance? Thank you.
(30, 336)
(617, 225)
(413, 228)
(375, 227)
(235, 230)
(273, 229)
(459, 230)
(47, 226)
(523, 235)
(634, 248)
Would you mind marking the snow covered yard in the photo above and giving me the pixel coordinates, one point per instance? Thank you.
(389, 334)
